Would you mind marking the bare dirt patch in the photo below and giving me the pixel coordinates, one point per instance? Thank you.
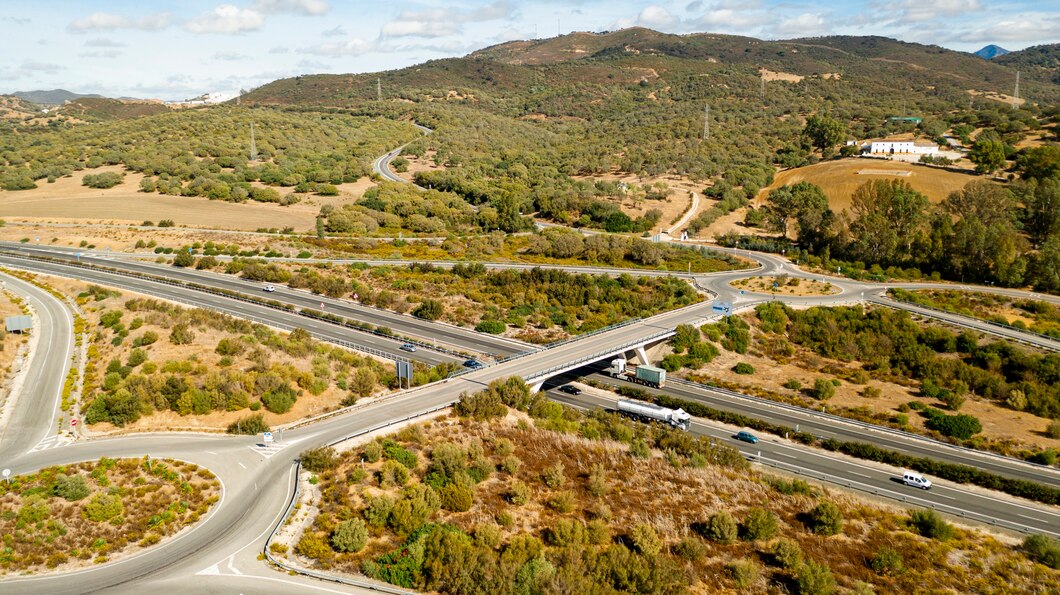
(672, 207)
(786, 77)
(839, 179)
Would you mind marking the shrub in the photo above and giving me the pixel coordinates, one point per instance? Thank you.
(103, 507)
(481, 405)
(519, 493)
(744, 573)
(690, 549)
(181, 334)
(930, 524)
(787, 553)
(373, 451)
(793, 384)
(814, 579)
(71, 487)
(166, 223)
(562, 502)
(456, 497)
(1041, 548)
(395, 452)
(137, 357)
(377, 511)
(823, 389)
(1053, 430)
(319, 459)
(429, 310)
(511, 464)
(645, 540)
(249, 425)
(958, 426)
(33, 510)
(280, 400)
(887, 562)
(826, 519)
(566, 532)
(554, 476)
(349, 536)
(871, 392)
(493, 327)
(743, 368)
(721, 527)
(759, 524)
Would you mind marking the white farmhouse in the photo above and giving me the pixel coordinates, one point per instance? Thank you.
(901, 147)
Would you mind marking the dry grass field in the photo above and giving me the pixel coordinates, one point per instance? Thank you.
(785, 286)
(68, 201)
(839, 179)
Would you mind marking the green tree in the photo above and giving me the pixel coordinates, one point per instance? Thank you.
(319, 459)
(826, 519)
(988, 154)
(888, 217)
(721, 527)
(429, 310)
(646, 540)
(824, 132)
(814, 579)
(103, 507)
(759, 524)
(70, 487)
(183, 259)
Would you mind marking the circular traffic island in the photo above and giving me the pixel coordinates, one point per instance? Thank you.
(66, 517)
(785, 285)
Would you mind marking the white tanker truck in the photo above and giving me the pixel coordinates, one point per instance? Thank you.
(649, 412)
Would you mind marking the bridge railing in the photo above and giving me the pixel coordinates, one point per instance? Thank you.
(977, 319)
(599, 354)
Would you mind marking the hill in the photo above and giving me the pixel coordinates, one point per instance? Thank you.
(991, 51)
(102, 108)
(1040, 62)
(52, 97)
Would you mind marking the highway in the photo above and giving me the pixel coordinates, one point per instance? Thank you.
(824, 426)
(771, 451)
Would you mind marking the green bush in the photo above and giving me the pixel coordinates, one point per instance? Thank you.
(279, 400)
(887, 562)
(481, 405)
(759, 524)
(373, 451)
(456, 497)
(826, 519)
(814, 579)
(72, 487)
(930, 524)
(249, 425)
(349, 536)
(393, 473)
(958, 426)
(554, 476)
(518, 493)
(395, 452)
(823, 389)
(1043, 549)
(787, 553)
(319, 459)
(567, 532)
(743, 572)
(793, 384)
(103, 507)
(721, 527)
(34, 510)
(645, 540)
(743, 368)
(493, 327)
(429, 310)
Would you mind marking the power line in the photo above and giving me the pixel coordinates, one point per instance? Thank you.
(706, 122)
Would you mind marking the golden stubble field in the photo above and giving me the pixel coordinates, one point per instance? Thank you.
(68, 201)
(839, 179)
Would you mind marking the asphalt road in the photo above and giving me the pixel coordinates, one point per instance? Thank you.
(972, 504)
(825, 427)
(34, 416)
(265, 315)
(430, 332)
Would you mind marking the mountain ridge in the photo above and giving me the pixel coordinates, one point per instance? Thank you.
(52, 96)
(991, 51)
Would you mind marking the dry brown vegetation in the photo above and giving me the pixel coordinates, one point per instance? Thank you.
(592, 506)
(784, 285)
(839, 179)
(91, 512)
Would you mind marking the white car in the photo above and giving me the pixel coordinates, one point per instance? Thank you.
(912, 478)
(270, 288)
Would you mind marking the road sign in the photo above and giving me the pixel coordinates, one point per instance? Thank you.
(321, 305)
(268, 437)
(7, 475)
(73, 422)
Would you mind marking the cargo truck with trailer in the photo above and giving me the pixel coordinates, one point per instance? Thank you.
(646, 375)
(650, 412)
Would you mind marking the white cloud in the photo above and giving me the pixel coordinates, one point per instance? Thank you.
(657, 17)
(35, 67)
(350, 47)
(229, 56)
(804, 25)
(730, 19)
(104, 54)
(280, 50)
(440, 22)
(106, 21)
(922, 10)
(1026, 28)
(338, 31)
(306, 7)
(103, 42)
(226, 18)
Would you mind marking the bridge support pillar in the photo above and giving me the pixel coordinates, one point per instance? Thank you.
(536, 387)
(643, 355)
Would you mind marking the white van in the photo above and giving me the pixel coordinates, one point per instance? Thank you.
(912, 478)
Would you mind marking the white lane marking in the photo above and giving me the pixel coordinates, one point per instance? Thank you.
(241, 464)
(859, 474)
(1031, 518)
(209, 452)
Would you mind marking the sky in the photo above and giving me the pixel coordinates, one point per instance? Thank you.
(177, 49)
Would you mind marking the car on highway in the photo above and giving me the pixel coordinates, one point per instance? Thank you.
(474, 364)
(270, 288)
(912, 478)
(409, 347)
(570, 390)
(746, 437)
